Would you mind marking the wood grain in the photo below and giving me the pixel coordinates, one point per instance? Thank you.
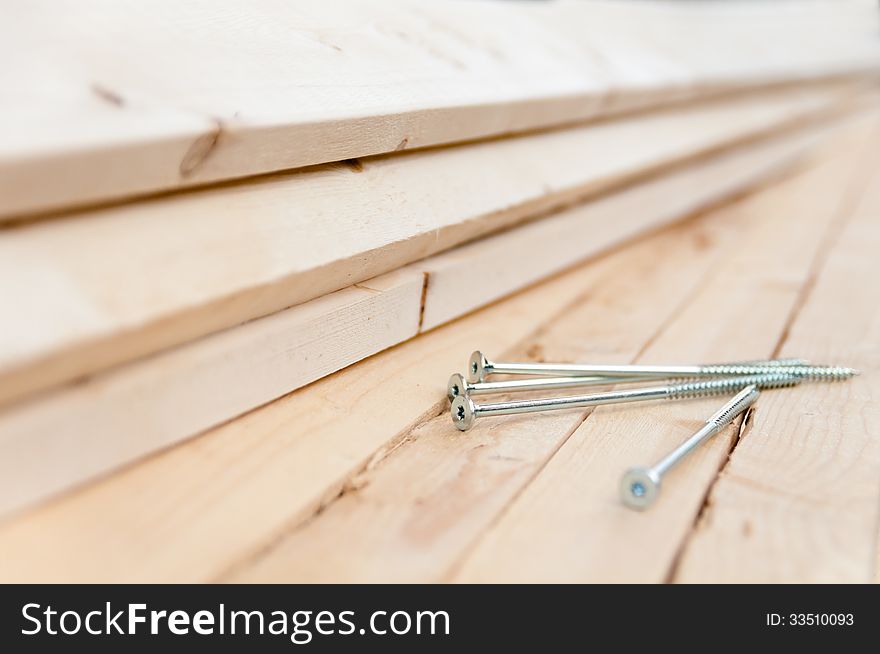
(113, 100)
(456, 486)
(798, 501)
(175, 516)
(740, 312)
(69, 435)
(86, 293)
(419, 510)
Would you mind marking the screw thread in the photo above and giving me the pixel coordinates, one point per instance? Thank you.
(776, 363)
(732, 409)
(723, 386)
(810, 373)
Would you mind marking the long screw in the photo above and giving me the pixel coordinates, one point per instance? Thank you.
(464, 412)
(458, 385)
(479, 367)
(640, 486)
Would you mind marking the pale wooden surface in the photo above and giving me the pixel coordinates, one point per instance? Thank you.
(798, 500)
(86, 292)
(67, 436)
(356, 475)
(113, 98)
(248, 479)
(742, 307)
(534, 498)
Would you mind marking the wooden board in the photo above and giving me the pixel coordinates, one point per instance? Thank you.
(798, 500)
(69, 435)
(212, 507)
(534, 498)
(315, 445)
(113, 99)
(85, 293)
(745, 306)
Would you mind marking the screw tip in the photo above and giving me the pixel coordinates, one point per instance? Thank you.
(639, 488)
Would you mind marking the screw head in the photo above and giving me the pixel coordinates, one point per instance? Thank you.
(456, 386)
(477, 366)
(639, 488)
(463, 413)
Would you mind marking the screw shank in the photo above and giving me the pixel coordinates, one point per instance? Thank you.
(542, 383)
(551, 404)
(569, 370)
(673, 458)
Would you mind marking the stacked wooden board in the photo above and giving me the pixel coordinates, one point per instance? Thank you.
(140, 322)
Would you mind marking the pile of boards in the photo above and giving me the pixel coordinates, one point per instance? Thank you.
(205, 207)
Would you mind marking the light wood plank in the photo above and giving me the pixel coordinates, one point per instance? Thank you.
(269, 468)
(209, 505)
(741, 312)
(113, 100)
(798, 501)
(83, 294)
(67, 436)
(504, 262)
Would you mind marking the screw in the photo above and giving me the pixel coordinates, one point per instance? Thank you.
(458, 385)
(640, 486)
(464, 412)
(479, 367)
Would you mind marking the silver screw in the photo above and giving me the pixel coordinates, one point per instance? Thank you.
(464, 412)
(479, 367)
(458, 385)
(640, 486)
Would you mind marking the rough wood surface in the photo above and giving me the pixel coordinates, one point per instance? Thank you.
(106, 287)
(112, 99)
(533, 498)
(274, 466)
(417, 512)
(71, 434)
(798, 500)
(227, 504)
(743, 307)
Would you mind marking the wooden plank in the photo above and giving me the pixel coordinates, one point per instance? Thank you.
(116, 101)
(301, 450)
(418, 512)
(86, 293)
(67, 436)
(740, 312)
(798, 500)
(504, 263)
(193, 512)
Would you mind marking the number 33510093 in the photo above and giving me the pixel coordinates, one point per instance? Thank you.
(820, 619)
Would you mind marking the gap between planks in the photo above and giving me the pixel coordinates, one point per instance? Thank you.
(859, 187)
(798, 499)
